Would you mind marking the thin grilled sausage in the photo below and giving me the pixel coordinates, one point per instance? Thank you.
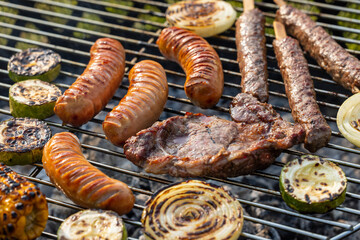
(251, 48)
(95, 86)
(84, 184)
(141, 106)
(204, 75)
(301, 94)
(342, 66)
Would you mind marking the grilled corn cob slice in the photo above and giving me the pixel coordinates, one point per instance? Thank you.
(23, 208)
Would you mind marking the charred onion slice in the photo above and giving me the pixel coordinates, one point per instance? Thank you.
(93, 225)
(348, 119)
(311, 184)
(204, 17)
(192, 210)
(34, 63)
(33, 99)
(22, 140)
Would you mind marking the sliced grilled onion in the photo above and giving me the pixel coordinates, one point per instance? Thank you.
(348, 119)
(192, 210)
(204, 17)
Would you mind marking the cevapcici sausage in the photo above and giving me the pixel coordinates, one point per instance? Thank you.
(141, 106)
(84, 184)
(95, 86)
(250, 44)
(204, 76)
(342, 66)
(300, 92)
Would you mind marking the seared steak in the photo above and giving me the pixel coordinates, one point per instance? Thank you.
(198, 145)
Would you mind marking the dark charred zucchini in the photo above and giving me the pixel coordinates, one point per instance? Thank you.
(311, 184)
(92, 225)
(33, 99)
(34, 63)
(22, 140)
(23, 208)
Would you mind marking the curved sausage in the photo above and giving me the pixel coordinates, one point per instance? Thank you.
(84, 184)
(95, 86)
(250, 44)
(204, 75)
(141, 106)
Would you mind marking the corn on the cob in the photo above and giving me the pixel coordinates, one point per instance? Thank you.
(23, 208)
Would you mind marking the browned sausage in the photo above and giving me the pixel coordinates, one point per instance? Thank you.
(250, 44)
(204, 75)
(341, 65)
(84, 184)
(141, 106)
(97, 84)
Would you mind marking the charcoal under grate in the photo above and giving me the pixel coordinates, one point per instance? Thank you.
(70, 27)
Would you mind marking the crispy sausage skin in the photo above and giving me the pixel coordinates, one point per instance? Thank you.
(84, 184)
(251, 48)
(342, 66)
(204, 75)
(141, 106)
(95, 86)
(301, 94)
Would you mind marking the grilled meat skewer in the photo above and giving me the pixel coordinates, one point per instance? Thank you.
(300, 89)
(342, 66)
(250, 44)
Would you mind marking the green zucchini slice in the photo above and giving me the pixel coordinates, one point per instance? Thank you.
(311, 184)
(22, 140)
(93, 225)
(34, 63)
(33, 99)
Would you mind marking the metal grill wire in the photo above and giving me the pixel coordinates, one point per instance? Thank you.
(70, 28)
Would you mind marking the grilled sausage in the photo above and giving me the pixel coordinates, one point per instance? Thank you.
(343, 67)
(204, 76)
(301, 94)
(84, 184)
(250, 44)
(141, 106)
(95, 86)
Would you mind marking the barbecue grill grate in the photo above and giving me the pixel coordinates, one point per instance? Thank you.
(70, 28)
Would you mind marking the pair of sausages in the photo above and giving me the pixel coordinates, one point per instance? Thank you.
(93, 89)
(81, 182)
(342, 66)
(204, 74)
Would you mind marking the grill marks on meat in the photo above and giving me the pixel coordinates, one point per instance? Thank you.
(198, 145)
(250, 44)
(342, 66)
(301, 94)
(204, 74)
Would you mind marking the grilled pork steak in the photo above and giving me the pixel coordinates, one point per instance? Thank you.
(198, 145)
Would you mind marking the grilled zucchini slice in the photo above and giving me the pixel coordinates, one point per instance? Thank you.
(93, 225)
(311, 184)
(34, 63)
(22, 140)
(23, 208)
(33, 99)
